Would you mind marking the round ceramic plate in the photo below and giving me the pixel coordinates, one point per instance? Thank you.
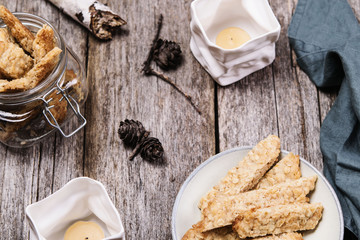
(209, 173)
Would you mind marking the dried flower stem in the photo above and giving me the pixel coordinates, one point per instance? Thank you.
(148, 70)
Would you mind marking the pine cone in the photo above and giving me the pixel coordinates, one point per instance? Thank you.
(132, 132)
(134, 135)
(167, 54)
(151, 149)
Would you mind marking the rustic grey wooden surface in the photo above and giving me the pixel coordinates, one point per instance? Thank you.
(278, 99)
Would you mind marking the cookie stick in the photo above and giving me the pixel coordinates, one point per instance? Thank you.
(278, 219)
(223, 210)
(248, 172)
(282, 236)
(226, 233)
(14, 62)
(95, 16)
(241, 178)
(5, 36)
(287, 168)
(38, 73)
(43, 43)
(17, 29)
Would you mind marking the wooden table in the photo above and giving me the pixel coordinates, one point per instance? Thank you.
(279, 99)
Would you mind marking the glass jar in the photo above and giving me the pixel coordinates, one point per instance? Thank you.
(26, 117)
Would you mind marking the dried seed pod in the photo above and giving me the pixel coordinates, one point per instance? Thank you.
(151, 149)
(131, 132)
(167, 54)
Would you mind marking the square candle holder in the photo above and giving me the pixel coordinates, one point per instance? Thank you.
(209, 17)
(81, 199)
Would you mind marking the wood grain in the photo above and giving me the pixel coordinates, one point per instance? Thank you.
(16, 170)
(68, 153)
(279, 99)
(296, 97)
(247, 110)
(145, 192)
(28, 174)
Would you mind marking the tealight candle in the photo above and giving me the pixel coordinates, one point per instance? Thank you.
(232, 37)
(84, 231)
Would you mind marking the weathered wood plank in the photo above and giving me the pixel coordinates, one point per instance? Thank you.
(36, 172)
(69, 152)
(294, 106)
(42, 177)
(296, 97)
(292, 112)
(16, 191)
(144, 192)
(16, 171)
(279, 99)
(247, 110)
(61, 158)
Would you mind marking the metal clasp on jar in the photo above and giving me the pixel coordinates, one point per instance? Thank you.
(51, 119)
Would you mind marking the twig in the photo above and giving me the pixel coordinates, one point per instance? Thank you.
(135, 152)
(137, 148)
(152, 49)
(168, 80)
(148, 70)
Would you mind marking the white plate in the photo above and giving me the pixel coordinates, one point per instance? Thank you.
(186, 213)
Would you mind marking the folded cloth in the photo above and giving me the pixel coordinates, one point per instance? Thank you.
(325, 35)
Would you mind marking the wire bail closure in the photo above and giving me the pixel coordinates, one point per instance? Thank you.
(71, 102)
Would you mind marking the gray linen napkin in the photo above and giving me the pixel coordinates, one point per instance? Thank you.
(325, 35)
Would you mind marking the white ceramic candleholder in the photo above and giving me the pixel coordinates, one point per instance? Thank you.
(209, 17)
(80, 199)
